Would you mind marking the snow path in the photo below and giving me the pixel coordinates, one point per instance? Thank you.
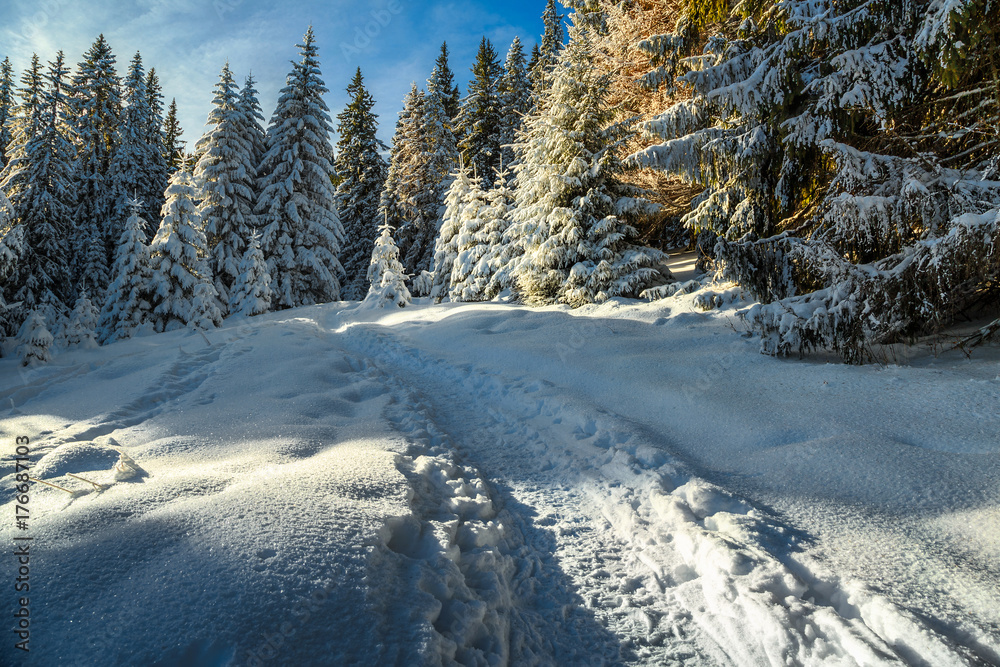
(488, 484)
(678, 569)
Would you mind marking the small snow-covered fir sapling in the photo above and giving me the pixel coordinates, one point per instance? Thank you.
(251, 294)
(82, 328)
(35, 340)
(126, 306)
(178, 265)
(388, 280)
(205, 313)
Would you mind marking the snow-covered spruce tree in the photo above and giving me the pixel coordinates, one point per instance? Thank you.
(11, 250)
(570, 226)
(436, 162)
(846, 150)
(443, 80)
(401, 184)
(127, 305)
(480, 246)
(464, 198)
(6, 106)
(252, 118)
(225, 181)
(34, 340)
(617, 27)
(81, 330)
(95, 107)
(480, 127)
(548, 52)
(362, 172)
(533, 63)
(6, 225)
(386, 274)
(553, 37)
(251, 293)
(301, 233)
(423, 156)
(514, 91)
(173, 145)
(133, 172)
(37, 180)
(157, 169)
(178, 264)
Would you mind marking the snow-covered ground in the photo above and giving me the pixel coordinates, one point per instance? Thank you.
(491, 484)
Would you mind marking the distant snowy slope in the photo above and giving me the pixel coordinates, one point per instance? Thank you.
(493, 484)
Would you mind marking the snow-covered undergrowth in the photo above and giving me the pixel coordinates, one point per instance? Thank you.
(490, 484)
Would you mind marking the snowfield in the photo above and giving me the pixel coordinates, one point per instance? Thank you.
(489, 484)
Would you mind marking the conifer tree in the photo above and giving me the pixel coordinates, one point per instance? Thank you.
(6, 226)
(35, 340)
(422, 159)
(225, 180)
(251, 294)
(442, 82)
(480, 126)
(133, 169)
(534, 63)
(554, 35)
(11, 250)
(514, 91)
(302, 235)
(480, 246)
(127, 306)
(178, 264)
(841, 178)
(205, 311)
(401, 184)
(435, 164)
(386, 274)
(81, 331)
(37, 180)
(173, 145)
(363, 172)
(252, 119)
(159, 173)
(464, 199)
(96, 111)
(6, 106)
(571, 216)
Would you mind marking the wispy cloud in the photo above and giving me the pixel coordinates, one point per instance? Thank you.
(395, 42)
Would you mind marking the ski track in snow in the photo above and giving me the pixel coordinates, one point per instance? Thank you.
(542, 530)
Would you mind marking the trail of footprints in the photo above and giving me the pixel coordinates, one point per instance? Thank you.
(568, 560)
(634, 532)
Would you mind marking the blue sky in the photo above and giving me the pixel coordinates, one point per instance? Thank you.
(393, 41)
